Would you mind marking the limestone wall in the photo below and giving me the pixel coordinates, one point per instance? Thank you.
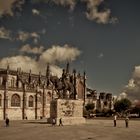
(30, 114)
(14, 113)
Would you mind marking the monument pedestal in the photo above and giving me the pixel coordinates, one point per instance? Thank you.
(70, 111)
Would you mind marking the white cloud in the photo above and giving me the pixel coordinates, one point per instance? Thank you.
(60, 54)
(93, 13)
(122, 96)
(132, 89)
(24, 36)
(51, 55)
(35, 12)
(70, 3)
(34, 50)
(21, 35)
(5, 34)
(25, 62)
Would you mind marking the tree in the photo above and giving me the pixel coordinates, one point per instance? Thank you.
(122, 105)
(89, 107)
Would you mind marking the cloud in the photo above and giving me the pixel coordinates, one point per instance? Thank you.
(52, 55)
(122, 96)
(35, 12)
(132, 89)
(25, 62)
(101, 55)
(5, 34)
(31, 50)
(66, 3)
(24, 36)
(60, 54)
(70, 3)
(6, 6)
(94, 14)
(20, 35)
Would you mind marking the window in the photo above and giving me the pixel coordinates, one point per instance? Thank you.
(15, 100)
(0, 100)
(31, 101)
(13, 82)
(49, 97)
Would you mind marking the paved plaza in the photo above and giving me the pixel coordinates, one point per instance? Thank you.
(92, 130)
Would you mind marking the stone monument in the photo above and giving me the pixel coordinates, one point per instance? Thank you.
(70, 111)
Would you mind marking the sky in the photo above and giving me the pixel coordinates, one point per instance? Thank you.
(101, 37)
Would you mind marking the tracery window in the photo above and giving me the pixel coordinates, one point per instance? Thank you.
(31, 101)
(15, 100)
(13, 82)
(48, 97)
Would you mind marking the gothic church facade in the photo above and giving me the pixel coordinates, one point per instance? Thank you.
(27, 96)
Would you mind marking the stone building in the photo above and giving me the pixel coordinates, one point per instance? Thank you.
(27, 96)
(103, 101)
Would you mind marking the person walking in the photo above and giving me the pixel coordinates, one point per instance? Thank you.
(7, 121)
(126, 121)
(60, 122)
(115, 120)
(53, 122)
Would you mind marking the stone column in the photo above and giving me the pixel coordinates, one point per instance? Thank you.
(23, 101)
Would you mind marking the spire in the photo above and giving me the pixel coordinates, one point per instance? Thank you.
(17, 80)
(39, 78)
(48, 70)
(30, 76)
(8, 68)
(48, 74)
(67, 68)
(74, 83)
(63, 74)
(84, 87)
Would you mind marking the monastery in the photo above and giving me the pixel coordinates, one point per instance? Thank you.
(27, 96)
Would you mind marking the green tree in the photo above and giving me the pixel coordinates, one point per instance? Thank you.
(122, 105)
(89, 107)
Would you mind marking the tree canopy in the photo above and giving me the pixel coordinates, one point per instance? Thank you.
(122, 105)
(90, 106)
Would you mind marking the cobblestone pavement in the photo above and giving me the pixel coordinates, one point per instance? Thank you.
(92, 130)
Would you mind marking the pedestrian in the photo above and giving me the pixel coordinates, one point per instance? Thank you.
(7, 121)
(115, 120)
(53, 122)
(60, 122)
(126, 121)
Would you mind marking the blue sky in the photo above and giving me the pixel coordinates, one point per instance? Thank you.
(109, 45)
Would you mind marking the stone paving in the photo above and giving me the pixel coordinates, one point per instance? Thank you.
(92, 130)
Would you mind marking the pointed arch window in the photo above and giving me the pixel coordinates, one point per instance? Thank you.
(15, 100)
(0, 100)
(31, 101)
